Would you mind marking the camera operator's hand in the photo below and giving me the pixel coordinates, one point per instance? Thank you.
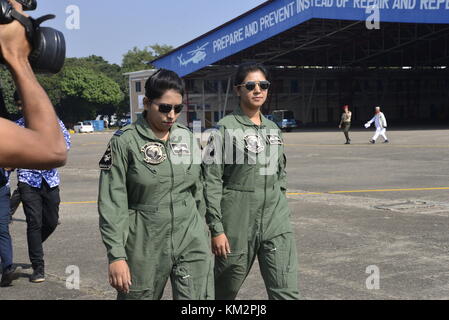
(13, 42)
(41, 144)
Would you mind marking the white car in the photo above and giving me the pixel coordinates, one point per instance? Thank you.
(84, 127)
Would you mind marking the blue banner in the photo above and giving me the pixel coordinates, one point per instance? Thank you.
(280, 15)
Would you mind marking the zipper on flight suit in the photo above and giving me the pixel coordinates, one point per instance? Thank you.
(172, 211)
(265, 185)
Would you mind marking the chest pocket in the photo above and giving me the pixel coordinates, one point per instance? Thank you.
(186, 168)
(146, 183)
(239, 177)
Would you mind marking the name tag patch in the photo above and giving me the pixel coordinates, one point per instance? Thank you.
(274, 139)
(180, 148)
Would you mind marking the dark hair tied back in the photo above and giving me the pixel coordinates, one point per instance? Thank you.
(162, 81)
(245, 68)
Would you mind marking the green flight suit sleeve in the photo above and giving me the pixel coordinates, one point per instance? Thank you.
(213, 181)
(113, 202)
(282, 168)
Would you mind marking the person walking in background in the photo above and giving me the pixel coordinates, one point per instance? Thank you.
(6, 251)
(381, 125)
(345, 122)
(39, 192)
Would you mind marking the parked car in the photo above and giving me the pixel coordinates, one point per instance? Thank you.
(84, 127)
(284, 119)
(124, 122)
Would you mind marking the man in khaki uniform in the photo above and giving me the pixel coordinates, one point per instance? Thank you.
(345, 123)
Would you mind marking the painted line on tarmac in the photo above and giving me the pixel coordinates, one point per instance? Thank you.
(366, 191)
(79, 202)
(314, 193)
(370, 145)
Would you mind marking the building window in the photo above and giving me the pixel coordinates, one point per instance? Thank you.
(138, 86)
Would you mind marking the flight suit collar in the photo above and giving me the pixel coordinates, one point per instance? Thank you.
(244, 119)
(145, 130)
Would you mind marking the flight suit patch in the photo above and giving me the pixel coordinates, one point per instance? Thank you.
(180, 148)
(118, 133)
(274, 139)
(106, 161)
(254, 143)
(153, 153)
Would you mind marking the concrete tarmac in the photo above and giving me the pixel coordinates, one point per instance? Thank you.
(355, 208)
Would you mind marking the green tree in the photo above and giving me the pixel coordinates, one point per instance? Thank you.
(93, 87)
(52, 85)
(86, 92)
(137, 59)
(8, 88)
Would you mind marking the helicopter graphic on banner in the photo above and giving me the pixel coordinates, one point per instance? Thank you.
(196, 56)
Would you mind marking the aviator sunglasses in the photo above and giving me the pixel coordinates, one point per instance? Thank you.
(167, 108)
(251, 85)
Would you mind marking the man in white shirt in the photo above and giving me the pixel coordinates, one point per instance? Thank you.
(381, 125)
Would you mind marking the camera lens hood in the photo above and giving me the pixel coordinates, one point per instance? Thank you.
(49, 50)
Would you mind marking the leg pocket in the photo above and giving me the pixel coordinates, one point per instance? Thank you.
(278, 263)
(182, 283)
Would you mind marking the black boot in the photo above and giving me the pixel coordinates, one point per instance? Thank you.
(8, 276)
(38, 275)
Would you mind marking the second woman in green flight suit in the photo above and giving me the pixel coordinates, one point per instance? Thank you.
(151, 202)
(244, 186)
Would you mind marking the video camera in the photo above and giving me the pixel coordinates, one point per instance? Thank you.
(48, 44)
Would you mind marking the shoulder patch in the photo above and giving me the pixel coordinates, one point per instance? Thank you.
(122, 130)
(106, 161)
(183, 127)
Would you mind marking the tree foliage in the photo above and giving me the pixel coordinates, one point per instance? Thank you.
(8, 88)
(93, 87)
(137, 59)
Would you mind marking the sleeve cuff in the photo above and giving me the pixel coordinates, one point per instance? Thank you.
(216, 229)
(116, 254)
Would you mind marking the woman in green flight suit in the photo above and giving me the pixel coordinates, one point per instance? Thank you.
(244, 187)
(151, 202)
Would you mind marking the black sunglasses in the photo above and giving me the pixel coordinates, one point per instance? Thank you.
(251, 85)
(167, 108)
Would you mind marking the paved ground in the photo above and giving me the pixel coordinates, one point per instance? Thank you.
(353, 206)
